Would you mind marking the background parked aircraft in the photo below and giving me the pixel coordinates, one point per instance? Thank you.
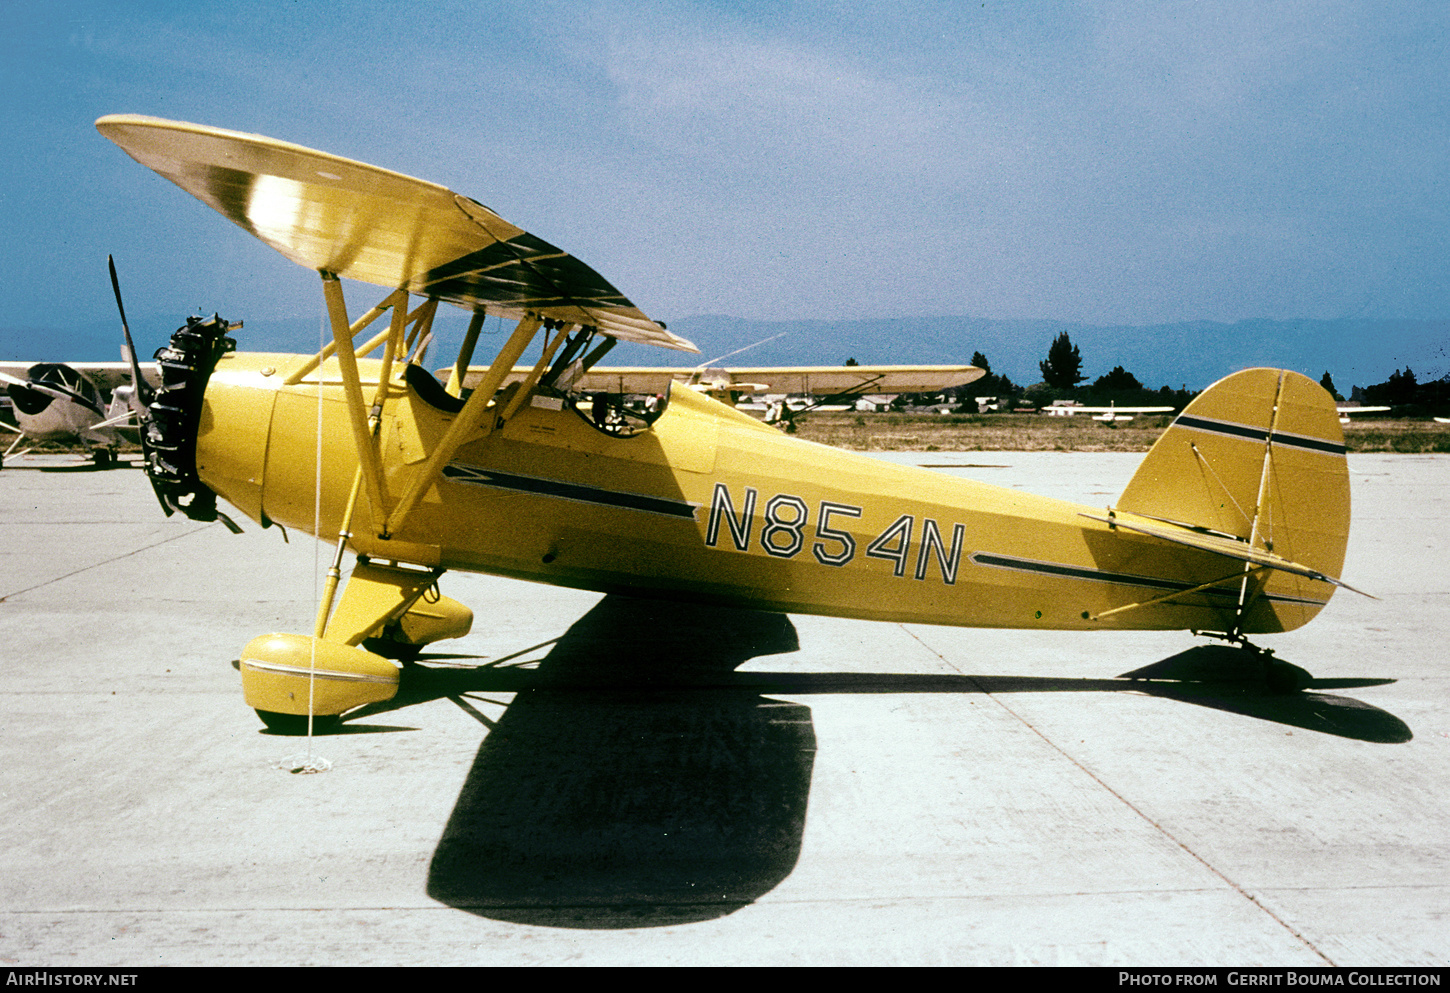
(1345, 410)
(84, 403)
(1109, 414)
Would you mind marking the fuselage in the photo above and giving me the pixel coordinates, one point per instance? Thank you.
(708, 504)
(69, 413)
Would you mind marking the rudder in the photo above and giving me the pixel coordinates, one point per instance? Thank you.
(1259, 456)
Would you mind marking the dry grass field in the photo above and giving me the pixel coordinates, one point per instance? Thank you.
(1037, 433)
(1031, 433)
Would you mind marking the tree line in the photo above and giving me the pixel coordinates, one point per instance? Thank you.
(1062, 375)
(1403, 394)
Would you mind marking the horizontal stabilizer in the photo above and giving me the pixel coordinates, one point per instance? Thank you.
(1228, 547)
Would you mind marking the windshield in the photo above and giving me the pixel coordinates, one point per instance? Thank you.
(619, 415)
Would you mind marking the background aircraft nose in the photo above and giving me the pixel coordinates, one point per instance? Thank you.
(27, 400)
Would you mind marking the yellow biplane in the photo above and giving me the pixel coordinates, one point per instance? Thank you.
(1236, 523)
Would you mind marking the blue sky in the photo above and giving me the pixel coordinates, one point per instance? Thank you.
(1106, 162)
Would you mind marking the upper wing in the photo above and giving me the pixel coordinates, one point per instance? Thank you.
(820, 380)
(15, 370)
(827, 379)
(369, 224)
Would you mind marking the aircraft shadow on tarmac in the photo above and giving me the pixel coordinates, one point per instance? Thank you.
(637, 780)
(629, 783)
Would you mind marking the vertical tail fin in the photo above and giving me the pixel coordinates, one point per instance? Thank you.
(1258, 456)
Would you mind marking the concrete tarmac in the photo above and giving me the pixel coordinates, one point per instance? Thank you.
(605, 781)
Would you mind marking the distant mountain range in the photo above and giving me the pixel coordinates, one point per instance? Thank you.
(1355, 351)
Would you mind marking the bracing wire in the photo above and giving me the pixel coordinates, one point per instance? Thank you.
(1222, 485)
(306, 762)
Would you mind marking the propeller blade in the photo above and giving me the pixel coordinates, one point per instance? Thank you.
(144, 393)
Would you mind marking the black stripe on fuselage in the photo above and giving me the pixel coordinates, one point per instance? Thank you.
(459, 473)
(1233, 430)
(1059, 571)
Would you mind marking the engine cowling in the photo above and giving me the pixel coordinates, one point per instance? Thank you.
(169, 429)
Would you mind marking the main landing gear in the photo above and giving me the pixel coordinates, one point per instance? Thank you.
(1278, 676)
(286, 677)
